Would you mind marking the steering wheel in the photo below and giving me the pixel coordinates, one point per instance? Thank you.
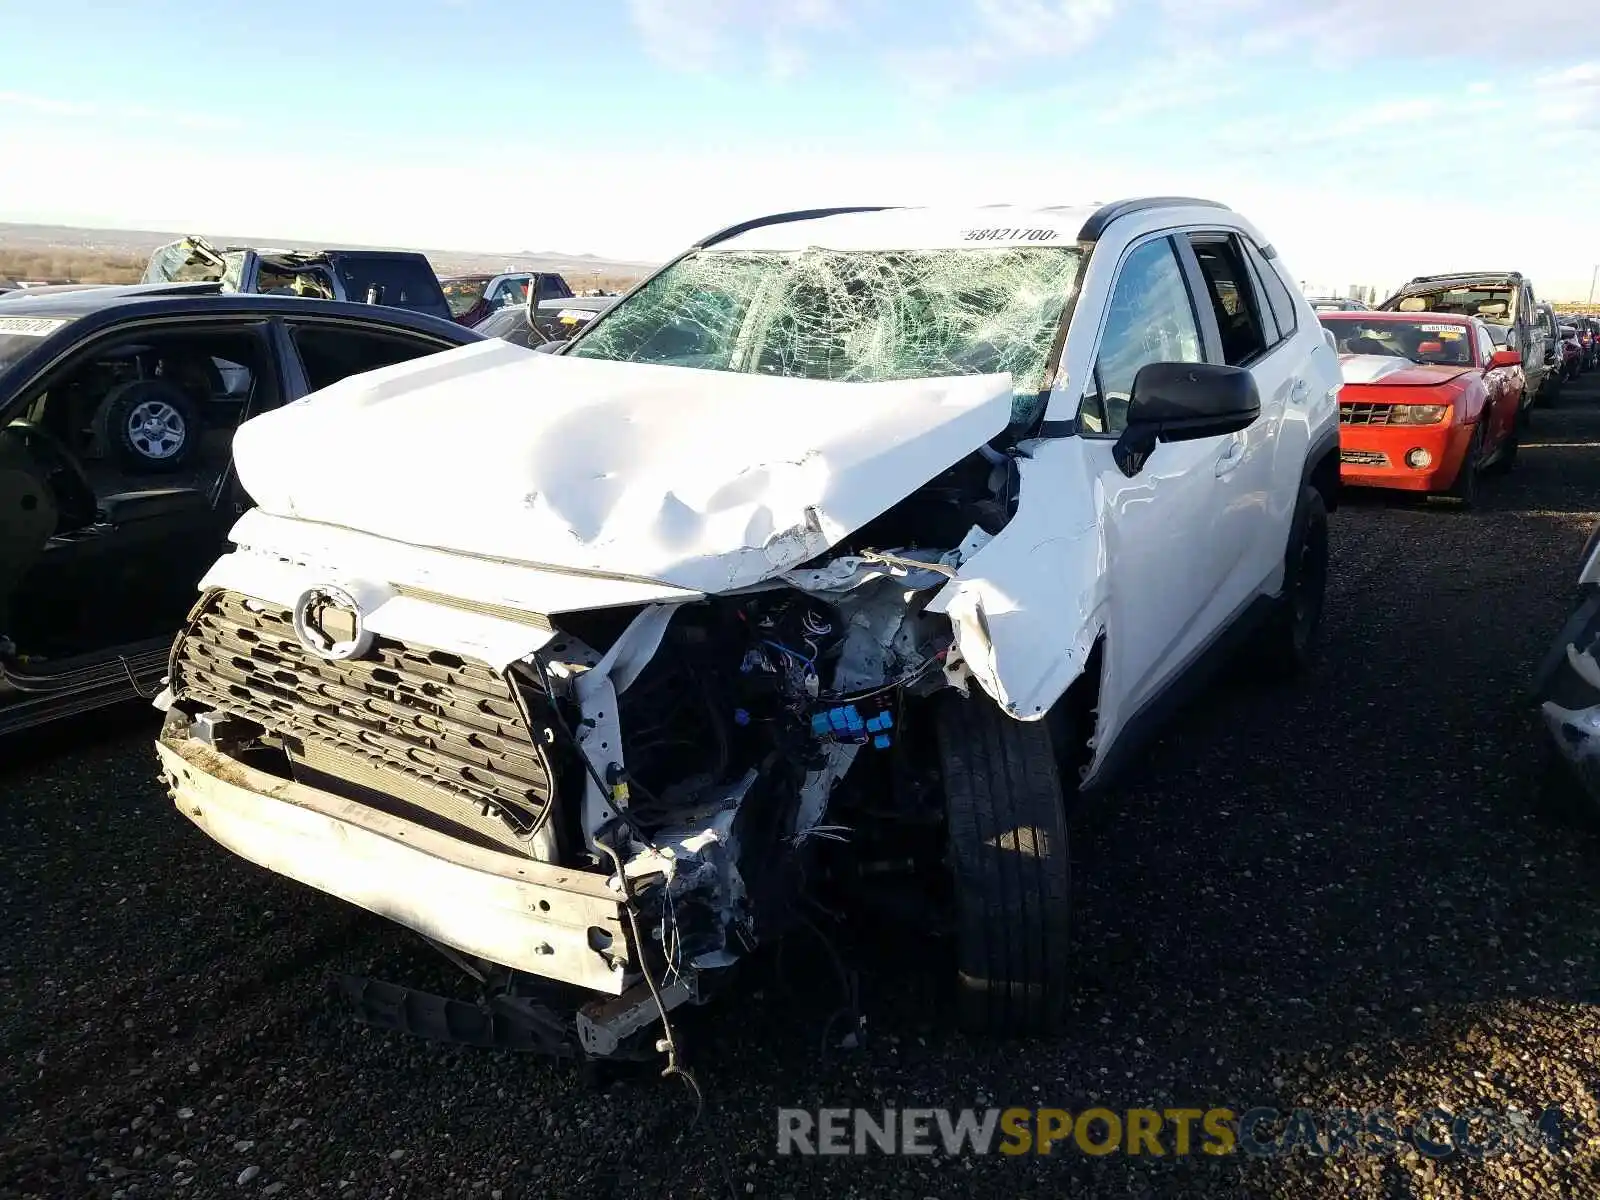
(62, 472)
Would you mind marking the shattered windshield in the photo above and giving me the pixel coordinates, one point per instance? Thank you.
(1487, 302)
(1419, 341)
(187, 261)
(859, 316)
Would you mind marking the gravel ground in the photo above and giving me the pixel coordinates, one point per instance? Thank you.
(1343, 895)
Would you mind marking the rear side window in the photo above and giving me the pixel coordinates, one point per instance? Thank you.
(1279, 299)
(403, 282)
(553, 287)
(330, 353)
(1232, 296)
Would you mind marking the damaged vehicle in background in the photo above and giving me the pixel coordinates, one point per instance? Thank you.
(395, 278)
(118, 407)
(1566, 688)
(541, 322)
(1503, 300)
(852, 543)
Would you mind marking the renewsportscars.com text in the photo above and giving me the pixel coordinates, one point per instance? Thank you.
(1157, 1133)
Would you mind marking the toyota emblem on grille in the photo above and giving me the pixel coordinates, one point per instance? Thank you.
(328, 622)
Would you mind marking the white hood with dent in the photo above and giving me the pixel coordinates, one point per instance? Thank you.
(709, 480)
(1371, 368)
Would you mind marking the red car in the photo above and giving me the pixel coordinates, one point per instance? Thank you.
(1429, 401)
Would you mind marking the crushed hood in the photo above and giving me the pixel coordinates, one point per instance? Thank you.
(708, 480)
(1390, 371)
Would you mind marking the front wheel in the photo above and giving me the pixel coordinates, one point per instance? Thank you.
(1507, 457)
(1006, 839)
(1463, 492)
(1287, 642)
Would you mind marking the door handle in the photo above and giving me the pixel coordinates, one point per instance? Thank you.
(1232, 455)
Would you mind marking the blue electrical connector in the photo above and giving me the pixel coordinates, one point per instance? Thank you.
(845, 724)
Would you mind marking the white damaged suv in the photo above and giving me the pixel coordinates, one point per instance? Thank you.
(865, 532)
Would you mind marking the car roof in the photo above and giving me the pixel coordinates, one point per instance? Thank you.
(75, 299)
(1426, 283)
(935, 227)
(1432, 318)
(154, 300)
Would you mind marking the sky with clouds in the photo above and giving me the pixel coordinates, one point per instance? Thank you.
(1369, 139)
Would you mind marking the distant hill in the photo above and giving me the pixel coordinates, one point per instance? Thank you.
(48, 240)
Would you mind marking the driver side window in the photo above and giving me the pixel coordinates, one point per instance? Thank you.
(1150, 319)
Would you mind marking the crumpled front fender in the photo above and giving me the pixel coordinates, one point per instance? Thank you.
(1027, 608)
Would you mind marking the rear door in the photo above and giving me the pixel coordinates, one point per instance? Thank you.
(1253, 522)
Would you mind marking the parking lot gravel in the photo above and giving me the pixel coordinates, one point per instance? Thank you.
(1340, 895)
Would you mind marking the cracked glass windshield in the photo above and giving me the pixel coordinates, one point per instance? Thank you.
(860, 316)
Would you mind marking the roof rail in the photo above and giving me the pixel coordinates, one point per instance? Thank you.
(1107, 213)
(805, 214)
(1464, 275)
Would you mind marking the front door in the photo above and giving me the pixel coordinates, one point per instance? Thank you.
(1160, 563)
(139, 426)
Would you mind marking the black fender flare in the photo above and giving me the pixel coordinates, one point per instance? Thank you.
(1322, 450)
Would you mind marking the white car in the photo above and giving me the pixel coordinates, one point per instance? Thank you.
(846, 526)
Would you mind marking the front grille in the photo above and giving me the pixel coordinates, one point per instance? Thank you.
(1364, 458)
(419, 722)
(1360, 413)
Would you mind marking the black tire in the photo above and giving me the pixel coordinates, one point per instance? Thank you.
(149, 426)
(1463, 493)
(1550, 394)
(1507, 458)
(1010, 872)
(1287, 642)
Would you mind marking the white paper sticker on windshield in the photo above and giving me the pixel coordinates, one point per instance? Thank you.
(31, 326)
(1455, 329)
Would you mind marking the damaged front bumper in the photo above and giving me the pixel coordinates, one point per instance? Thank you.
(551, 921)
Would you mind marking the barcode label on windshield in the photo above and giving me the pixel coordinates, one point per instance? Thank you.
(31, 326)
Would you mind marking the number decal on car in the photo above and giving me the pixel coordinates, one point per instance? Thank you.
(31, 326)
(1009, 235)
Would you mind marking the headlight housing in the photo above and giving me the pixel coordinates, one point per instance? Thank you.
(1418, 414)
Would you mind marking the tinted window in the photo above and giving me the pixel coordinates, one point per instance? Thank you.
(405, 283)
(553, 287)
(1150, 319)
(1279, 299)
(1232, 298)
(330, 353)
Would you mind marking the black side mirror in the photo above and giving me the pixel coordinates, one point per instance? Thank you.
(1178, 402)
